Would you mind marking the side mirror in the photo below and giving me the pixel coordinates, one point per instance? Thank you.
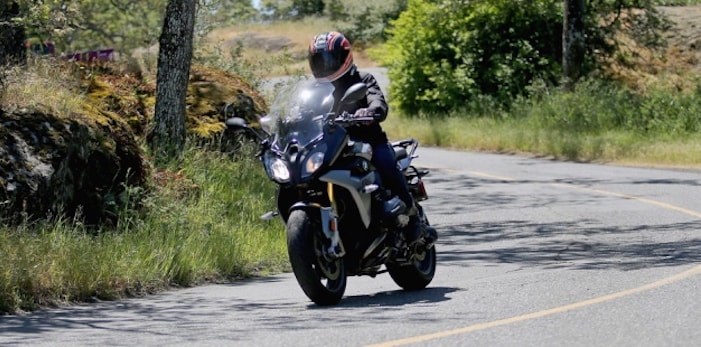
(355, 93)
(236, 123)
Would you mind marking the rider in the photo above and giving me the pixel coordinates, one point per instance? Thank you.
(331, 60)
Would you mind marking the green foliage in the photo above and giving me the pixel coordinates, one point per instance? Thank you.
(121, 24)
(201, 224)
(212, 14)
(366, 24)
(595, 107)
(308, 7)
(292, 9)
(677, 2)
(232, 60)
(336, 11)
(638, 19)
(443, 52)
(48, 19)
(598, 121)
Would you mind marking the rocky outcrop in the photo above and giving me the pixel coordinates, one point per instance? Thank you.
(212, 96)
(77, 165)
(82, 163)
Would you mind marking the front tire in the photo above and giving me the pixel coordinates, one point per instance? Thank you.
(323, 281)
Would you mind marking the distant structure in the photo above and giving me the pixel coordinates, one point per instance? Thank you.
(48, 48)
(91, 56)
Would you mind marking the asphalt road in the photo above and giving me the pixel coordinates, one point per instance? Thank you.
(532, 252)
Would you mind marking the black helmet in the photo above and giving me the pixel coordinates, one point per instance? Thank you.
(330, 56)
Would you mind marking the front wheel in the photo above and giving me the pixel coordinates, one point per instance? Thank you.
(323, 281)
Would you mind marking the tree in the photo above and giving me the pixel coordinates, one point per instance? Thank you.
(308, 7)
(120, 24)
(12, 36)
(573, 41)
(174, 58)
(292, 8)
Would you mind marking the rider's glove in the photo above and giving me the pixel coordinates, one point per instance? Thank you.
(365, 113)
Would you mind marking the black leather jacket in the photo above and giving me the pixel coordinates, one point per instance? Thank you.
(374, 100)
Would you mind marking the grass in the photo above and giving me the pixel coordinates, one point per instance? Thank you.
(677, 2)
(520, 136)
(598, 122)
(28, 89)
(201, 225)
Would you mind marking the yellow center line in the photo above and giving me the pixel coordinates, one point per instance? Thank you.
(632, 197)
(486, 175)
(540, 314)
(577, 305)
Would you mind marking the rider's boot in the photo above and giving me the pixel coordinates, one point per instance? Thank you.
(419, 236)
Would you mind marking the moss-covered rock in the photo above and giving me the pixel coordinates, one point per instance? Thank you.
(51, 165)
(212, 96)
(82, 159)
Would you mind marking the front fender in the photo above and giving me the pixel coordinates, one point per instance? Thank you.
(329, 225)
(302, 206)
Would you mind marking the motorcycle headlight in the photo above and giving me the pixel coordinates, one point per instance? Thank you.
(313, 163)
(277, 169)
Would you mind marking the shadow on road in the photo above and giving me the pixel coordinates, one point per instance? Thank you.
(395, 298)
(526, 223)
(171, 317)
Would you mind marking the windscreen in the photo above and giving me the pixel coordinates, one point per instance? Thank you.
(298, 112)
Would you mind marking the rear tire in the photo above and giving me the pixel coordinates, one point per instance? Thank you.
(323, 281)
(416, 275)
(420, 272)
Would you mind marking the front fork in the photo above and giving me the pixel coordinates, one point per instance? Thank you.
(333, 247)
(329, 225)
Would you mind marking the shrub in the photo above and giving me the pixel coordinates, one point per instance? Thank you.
(366, 24)
(597, 106)
(441, 53)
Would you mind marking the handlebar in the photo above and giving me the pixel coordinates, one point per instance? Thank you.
(347, 118)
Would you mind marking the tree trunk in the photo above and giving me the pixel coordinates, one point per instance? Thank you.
(12, 50)
(174, 58)
(573, 42)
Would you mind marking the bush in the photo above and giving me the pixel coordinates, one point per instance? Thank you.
(442, 53)
(366, 24)
(596, 107)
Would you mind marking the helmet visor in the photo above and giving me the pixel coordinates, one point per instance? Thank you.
(325, 64)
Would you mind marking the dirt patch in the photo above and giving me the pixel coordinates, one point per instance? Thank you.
(257, 41)
(685, 35)
(674, 65)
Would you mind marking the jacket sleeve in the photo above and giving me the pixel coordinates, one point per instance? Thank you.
(375, 98)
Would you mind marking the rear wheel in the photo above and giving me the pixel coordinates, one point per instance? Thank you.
(416, 275)
(419, 273)
(322, 280)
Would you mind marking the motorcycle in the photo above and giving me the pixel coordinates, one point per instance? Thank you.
(340, 220)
